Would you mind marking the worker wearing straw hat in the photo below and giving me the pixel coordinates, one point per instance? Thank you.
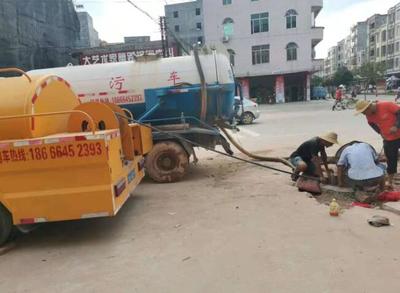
(306, 158)
(384, 118)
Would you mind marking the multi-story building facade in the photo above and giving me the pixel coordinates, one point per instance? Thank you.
(351, 52)
(319, 65)
(88, 36)
(393, 62)
(347, 50)
(271, 44)
(359, 36)
(375, 40)
(332, 61)
(378, 36)
(185, 22)
(340, 54)
(367, 42)
(329, 62)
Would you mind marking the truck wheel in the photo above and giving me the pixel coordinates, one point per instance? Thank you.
(6, 224)
(167, 162)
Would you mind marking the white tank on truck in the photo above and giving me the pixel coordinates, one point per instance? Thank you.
(185, 95)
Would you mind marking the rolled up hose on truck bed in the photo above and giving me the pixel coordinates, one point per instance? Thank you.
(253, 156)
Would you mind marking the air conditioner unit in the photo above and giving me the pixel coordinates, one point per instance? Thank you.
(225, 39)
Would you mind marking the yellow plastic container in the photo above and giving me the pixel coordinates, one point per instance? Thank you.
(334, 208)
(34, 95)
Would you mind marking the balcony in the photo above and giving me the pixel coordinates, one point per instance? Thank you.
(317, 35)
(316, 6)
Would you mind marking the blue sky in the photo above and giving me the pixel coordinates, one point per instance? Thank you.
(115, 19)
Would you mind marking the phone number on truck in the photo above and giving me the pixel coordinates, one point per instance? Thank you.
(51, 152)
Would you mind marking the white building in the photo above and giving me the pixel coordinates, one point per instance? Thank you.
(347, 56)
(377, 30)
(393, 47)
(88, 36)
(271, 43)
(376, 40)
(185, 20)
(331, 64)
(340, 54)
(359, 50)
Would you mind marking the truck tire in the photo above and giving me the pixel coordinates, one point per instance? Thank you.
(167, 162)
(6, 224)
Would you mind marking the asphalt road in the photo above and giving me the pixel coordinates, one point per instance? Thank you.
(283, 127)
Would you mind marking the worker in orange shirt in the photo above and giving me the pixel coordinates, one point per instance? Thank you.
(384, 118)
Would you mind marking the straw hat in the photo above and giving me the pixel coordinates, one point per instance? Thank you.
(330, 137)
(361, 106)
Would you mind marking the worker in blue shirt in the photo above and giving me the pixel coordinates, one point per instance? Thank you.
(361, 163)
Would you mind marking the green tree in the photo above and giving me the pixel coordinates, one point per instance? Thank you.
(328, 81)
(372, 72)
(343, 76)
(316, 81)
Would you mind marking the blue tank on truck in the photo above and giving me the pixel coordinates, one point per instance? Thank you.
(181, 95)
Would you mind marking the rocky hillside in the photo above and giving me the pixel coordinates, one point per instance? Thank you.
(37, 33)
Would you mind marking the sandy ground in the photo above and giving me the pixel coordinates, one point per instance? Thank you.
(229, 227)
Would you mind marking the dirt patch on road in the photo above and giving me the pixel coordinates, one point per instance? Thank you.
(343, 199)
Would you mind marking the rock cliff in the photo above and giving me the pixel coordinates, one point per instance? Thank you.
(37, 33)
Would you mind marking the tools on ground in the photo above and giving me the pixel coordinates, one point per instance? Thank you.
(379, 221)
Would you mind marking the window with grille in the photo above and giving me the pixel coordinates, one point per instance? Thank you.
(291, 19)
(259, 23)
(260, 54)
(291, 52)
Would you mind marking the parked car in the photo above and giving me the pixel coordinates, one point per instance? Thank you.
(248, 113)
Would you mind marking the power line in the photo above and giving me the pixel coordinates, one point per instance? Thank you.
(176, 38)
(142, 10)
